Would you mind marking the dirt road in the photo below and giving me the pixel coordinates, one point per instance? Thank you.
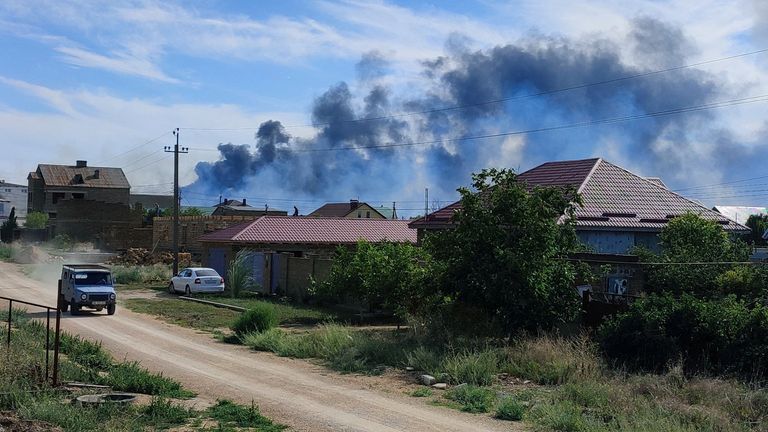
(296, 393)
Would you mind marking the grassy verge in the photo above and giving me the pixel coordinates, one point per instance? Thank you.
(25, 393)
(184, 313)
(287, 313)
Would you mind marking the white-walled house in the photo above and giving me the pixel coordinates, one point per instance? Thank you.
(13, 195)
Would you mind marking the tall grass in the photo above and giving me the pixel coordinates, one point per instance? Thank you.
(260, 318)
(155, 273)
(6, 252)
(239, 273)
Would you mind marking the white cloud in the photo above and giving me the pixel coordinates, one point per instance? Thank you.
(96, 126)
(120, 63)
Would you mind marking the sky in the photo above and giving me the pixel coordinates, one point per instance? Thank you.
(297, 103)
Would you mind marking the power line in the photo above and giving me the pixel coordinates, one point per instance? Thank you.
(507, 99)
(151, 163)
(137, 147)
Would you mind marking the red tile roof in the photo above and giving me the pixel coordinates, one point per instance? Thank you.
(614, 198)
(311, 230)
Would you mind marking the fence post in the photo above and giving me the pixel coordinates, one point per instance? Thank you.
(56, 340)
(47, 340)
(10, 312)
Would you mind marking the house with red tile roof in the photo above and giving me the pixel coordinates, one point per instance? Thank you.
(287, 250)
(621, 209)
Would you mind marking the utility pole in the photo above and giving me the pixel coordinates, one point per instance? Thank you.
(176, 150)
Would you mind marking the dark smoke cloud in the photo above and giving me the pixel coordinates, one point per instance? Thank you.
(470, 78)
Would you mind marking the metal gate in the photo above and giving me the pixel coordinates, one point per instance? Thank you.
(217, 261)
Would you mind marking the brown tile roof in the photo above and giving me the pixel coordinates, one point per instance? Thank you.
(63, 175)
(614, 198)
(310, 230)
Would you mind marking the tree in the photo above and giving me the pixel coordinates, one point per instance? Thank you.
(757, 225)
(36, 220)
(505, 259)
(692, 239)
(191, 211)
(388, 275)
(9, 227)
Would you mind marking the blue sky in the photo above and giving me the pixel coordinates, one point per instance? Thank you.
(95, 80)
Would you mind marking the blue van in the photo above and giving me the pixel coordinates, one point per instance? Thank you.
(86, 285)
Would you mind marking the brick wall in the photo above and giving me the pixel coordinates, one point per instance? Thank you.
(110, 226)
(191, 228)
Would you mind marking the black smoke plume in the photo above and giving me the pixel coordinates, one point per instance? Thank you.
(469, 78)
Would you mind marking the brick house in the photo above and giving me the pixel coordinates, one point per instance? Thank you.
(50, 184)
(13, 196)
(352, 210)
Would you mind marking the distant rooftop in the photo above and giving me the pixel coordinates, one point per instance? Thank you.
(81, 175)
(614, 198)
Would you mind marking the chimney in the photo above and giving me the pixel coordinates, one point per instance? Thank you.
(81, 164)
(244, 202)
(96, 174)
(78, 179)
(353, 203)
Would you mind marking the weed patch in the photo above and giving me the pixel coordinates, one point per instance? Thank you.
(510, 408)
(258, 319)
(131, 377)
(422, 392)
(472, 399)
(230, 414)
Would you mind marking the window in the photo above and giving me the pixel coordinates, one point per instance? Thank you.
(78, 195)
(206, 273)
(7, 190)
(56, 196)
(368, 214)
(23, 191)
(51, 215)
(93, 278)
(359, 214)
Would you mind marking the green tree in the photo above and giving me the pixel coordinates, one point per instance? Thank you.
(9, 227)
(757, 225)
(36, 220)
(688, 242)
(505, 259)
(191, 211)
(389, 275)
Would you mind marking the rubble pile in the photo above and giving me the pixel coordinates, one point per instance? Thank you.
(140, 256)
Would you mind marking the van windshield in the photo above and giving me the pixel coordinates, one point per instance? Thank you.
(93, 278)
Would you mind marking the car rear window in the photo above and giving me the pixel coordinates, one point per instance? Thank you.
(93, 278)
(206, 273)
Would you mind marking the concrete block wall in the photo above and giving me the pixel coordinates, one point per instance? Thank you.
(191, 228)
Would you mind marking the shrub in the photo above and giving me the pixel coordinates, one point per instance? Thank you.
(510, 408)
(472, 399)
(141, 274)
(260, 318)
(6, 252)
(36, 220)
(383, 275)
(239, 273)
(716, 336)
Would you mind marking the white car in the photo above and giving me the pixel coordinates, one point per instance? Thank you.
(196, 280)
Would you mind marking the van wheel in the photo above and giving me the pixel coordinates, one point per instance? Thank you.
(111, 309)
(187, 291)
(171, 289)
(75, 309)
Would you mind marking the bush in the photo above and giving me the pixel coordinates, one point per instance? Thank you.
(426, 360)
(712, 336)
(472, 399)
(260, 318)
(36, 220)
(63, 242)
(383, 275)
(239, 273)
(6, 252)
(510, 409)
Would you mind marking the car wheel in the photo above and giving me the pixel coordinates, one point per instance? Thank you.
(111, 309)
(75, 309)
(171, 289)
(187, 291)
